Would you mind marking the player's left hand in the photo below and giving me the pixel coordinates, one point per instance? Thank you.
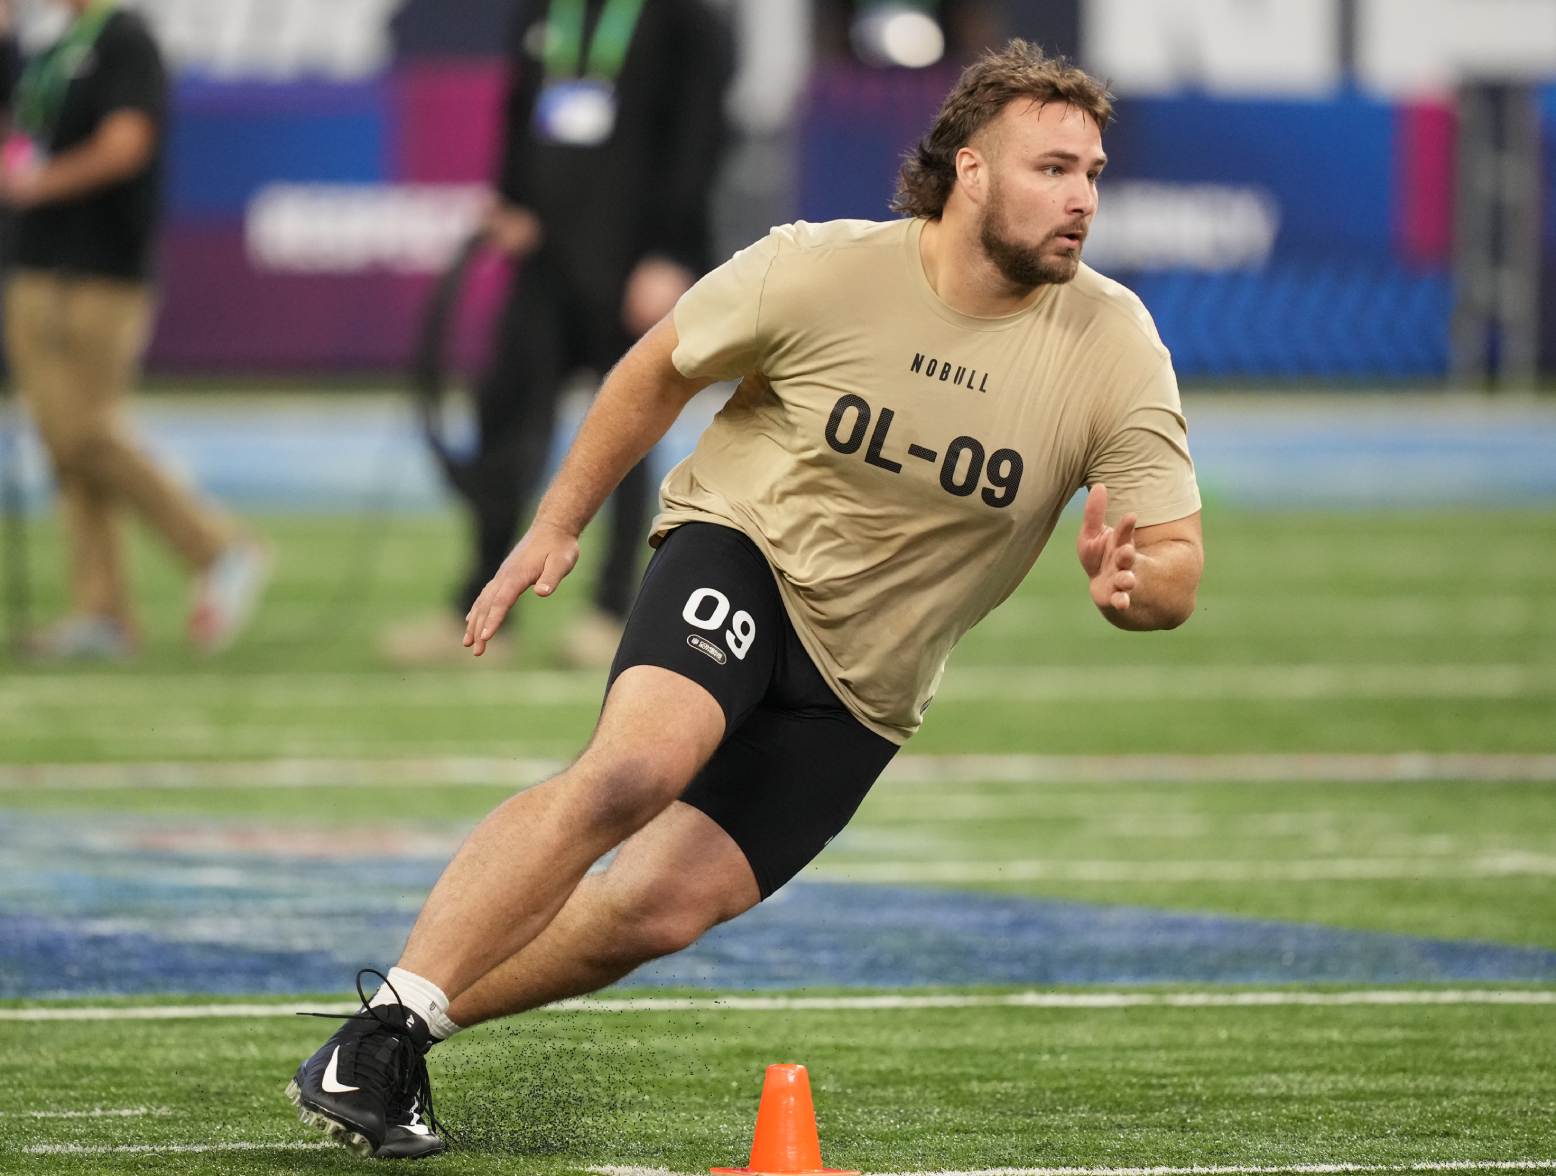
(653, 288)
(1107, 553)
(540, 561)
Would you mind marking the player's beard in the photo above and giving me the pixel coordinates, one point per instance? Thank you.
(1021, 265)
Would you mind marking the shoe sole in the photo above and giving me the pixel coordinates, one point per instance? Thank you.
(342, 1133)
(382, 1154)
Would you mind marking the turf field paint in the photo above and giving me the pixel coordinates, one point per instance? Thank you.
(153, 1149)
(968, 683)
(1285, 998)
(1345, 453)
(102, 1113)
(144, 1149)
(1339, 1169)
(128, 905)
(1489, 865)
(480, 771)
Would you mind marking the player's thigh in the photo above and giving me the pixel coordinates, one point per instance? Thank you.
(707, 611)
(656, 731)
(786, 782)
(696, 656)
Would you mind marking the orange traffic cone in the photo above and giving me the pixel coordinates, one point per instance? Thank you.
(786, 1143)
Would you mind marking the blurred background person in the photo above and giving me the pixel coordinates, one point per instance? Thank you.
(613, 134)
(79, 306)
(10, 63)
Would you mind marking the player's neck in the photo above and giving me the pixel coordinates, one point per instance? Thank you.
(961, 274)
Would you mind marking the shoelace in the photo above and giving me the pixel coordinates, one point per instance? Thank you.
(416, 1098)
(415, 1085)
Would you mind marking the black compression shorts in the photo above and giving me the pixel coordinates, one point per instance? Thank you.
(795, 764)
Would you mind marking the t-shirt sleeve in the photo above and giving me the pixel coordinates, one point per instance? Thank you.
(133, 75)
(718, 322)
(1144, 459)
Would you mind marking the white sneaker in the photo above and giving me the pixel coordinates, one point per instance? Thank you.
(83, 638)
(227, 593)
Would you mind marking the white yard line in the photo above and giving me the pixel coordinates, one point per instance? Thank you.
(963, 683)
(1168, 768)
(152, 1149)
(891, 1001)
(1336, 1169)
(1508, 864)
(1236, 683)
(101, 1113)
(331, 772)
(496, 771)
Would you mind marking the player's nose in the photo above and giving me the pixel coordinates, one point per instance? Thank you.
(1082, 199)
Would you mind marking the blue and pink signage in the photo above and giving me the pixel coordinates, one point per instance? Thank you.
(1299, 237)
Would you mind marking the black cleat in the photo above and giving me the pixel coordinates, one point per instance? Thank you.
(367, 1086)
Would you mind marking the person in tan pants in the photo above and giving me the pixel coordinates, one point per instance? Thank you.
(79, 309)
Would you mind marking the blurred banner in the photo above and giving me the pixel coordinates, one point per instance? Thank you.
(1268, 238)
(1281, 193)
(326, 161)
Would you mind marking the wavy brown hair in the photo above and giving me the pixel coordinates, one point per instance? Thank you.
(986, 87)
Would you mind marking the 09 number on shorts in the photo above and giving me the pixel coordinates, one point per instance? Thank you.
(707, 608)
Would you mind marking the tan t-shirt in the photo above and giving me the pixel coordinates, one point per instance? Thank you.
(900, 463)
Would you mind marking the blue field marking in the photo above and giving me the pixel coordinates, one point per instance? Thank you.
(900, 936)
(346, 454)
(83, 911)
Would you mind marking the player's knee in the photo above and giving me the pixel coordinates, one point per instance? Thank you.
(623, 793)
(650, 922)
(662, 933)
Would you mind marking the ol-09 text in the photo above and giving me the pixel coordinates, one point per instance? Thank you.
(964, 462)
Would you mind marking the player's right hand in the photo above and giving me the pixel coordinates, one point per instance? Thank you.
(1107, 554)
(541, 560)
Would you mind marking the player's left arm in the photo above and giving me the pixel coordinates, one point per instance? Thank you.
(1140, 577)
(640, 399)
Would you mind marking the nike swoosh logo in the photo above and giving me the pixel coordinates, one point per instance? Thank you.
(330, 1081)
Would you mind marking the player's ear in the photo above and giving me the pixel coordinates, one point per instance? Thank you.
(972, 173)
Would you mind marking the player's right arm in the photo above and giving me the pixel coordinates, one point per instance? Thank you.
(636, 406)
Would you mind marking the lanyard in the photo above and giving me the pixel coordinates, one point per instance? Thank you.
(40, 94)
(607, 48)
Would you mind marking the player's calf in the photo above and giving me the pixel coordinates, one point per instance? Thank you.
(635, 928)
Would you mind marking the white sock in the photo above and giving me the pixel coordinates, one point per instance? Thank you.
(420, 996)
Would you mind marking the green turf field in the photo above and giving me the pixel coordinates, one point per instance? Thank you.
(952, 1090)
(1357, 730)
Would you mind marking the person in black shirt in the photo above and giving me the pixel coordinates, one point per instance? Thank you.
(78, 315)
(10, 63)
(614, 128)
